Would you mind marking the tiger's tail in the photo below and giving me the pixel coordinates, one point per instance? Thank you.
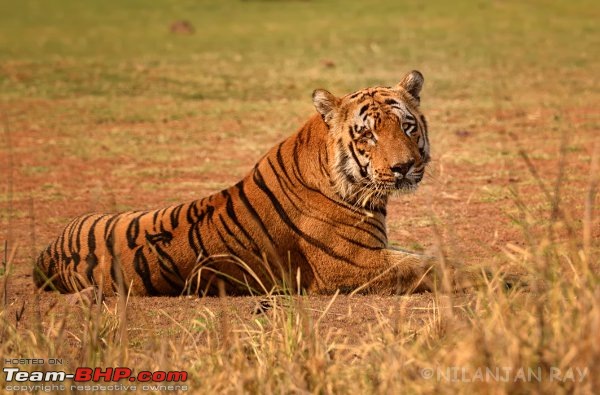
(42, 278)
(46, 275)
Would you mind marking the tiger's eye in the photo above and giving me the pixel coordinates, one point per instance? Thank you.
(405, 126)
(368, 135)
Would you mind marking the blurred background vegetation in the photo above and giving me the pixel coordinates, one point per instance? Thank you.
(266, 50)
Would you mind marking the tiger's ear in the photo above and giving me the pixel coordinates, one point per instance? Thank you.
(326, 104)
(412, 83)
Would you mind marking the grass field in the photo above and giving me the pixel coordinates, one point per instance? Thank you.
(103, 108)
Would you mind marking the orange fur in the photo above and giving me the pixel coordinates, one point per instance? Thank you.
(311, 214)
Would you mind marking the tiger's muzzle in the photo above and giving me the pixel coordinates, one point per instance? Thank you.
(405, 175)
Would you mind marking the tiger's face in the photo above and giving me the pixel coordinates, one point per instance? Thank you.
(379, 138)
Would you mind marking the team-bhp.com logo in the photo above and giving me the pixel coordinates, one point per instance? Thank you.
(14, 378)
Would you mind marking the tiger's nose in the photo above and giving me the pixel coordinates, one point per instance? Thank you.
(402, 168)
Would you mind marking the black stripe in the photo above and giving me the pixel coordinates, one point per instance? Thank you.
(195, 230)
(278, 178)
(363, 169)
(230, 233)
(231, 251)
(175, 286)
(155, 218)
(409, 116)
(163, 236)
(295, 169)
(52, 269)
(162, 257)
(72, 226)
(73, 255)
(58, 245)
(109, 239)
(425, 129)
(341, 165)
(133, 231)
(107, 227)
(78, 234)
(191, 241)
(252, 211)
(255, 251)
(308, 134)
(174, 216)
(233, 216)
(312, 268)
(192, 213)
(140, 264)
(296, 166)
(192, 216)
(424, 122)
(323, 165)
(363, 109)
(365, 246)
(410, 129)
(91, 259)
(379, 225)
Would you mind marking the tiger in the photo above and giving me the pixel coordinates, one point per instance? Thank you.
(310, 215)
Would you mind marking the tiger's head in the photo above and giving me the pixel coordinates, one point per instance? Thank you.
(379, 140)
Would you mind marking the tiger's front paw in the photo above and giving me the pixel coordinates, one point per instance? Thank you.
(464, 278)
(424, 277)
(455, 277)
